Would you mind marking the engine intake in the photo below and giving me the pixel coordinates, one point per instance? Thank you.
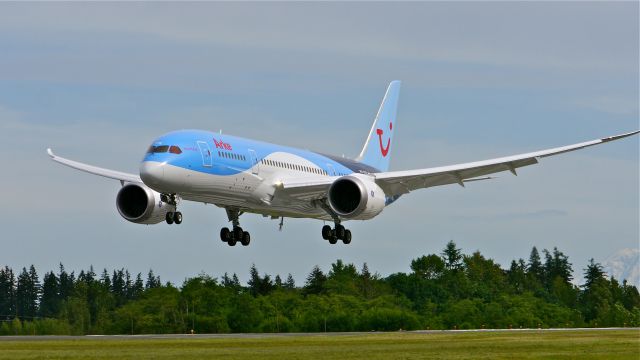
(139, 204)
(354, 197)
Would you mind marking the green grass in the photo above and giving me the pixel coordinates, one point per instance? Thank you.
(611, 344)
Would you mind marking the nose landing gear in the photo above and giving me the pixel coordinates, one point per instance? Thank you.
(172, 217)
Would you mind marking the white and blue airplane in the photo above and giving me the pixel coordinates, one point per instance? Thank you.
(248, 176)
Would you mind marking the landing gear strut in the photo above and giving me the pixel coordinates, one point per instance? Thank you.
(172, 217)
(337, 233)
(231, 237)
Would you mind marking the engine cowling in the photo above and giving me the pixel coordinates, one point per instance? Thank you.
(356, 197)
(141, 205)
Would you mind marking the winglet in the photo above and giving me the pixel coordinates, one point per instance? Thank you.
(50, 152)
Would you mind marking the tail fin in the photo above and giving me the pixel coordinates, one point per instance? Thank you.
(377, 150)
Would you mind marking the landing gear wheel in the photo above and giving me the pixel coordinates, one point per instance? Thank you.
(177, 217)
(237, 233)
(225, 234)
(326, 232)
(340, 231)
(169, 218)
(232, 241)
(333, 239)
(246, 238)
(347, 237)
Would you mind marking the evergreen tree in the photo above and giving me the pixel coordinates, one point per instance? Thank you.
(278, 282)
(153, 281)
(105, 280)
(557, 265)
(66, 283)
(7, 294)
(534, 267)
(50, 299)
(517, 275)
(118, 286)
(315, 283)
(290, 284)
(254, 281)
(226, 280)
(128, 285)
(593, 274)
(452, 256)
(27, 292)
(366, 282)
(235, 282)
(138, 287)
(259, 285)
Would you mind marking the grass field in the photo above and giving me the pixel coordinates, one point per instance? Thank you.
(609, 344)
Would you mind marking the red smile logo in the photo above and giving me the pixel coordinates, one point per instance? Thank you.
(384, 150)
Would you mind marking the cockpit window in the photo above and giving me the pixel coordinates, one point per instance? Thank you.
(159, 149)
(164, 148)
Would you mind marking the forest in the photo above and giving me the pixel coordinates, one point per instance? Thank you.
(450, 290)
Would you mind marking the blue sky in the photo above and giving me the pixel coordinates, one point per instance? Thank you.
(99, 81)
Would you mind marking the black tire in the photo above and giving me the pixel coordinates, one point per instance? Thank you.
(237, 233)
(333, 240)
(246, 238)
(231, 242)
(347, 237)
(169, 218)
(177, 217)
(340, 231)
(225, 234)
(326, 232)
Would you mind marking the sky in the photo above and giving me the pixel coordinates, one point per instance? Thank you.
(98, 82)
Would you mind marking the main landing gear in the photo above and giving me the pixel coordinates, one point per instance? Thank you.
(231, 237)
(172, 217)
(339, 232)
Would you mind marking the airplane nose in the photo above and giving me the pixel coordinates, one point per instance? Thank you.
(151, 172)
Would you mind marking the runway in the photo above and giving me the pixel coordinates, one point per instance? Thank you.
(284, 335)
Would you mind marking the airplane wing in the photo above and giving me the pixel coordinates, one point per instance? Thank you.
(401, 182)
(112, 174)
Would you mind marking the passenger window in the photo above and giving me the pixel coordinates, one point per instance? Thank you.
(175, 150)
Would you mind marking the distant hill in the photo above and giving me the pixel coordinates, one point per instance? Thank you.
(624, 264)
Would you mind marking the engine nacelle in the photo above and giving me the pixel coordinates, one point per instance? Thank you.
(141, 205)
(356, 197)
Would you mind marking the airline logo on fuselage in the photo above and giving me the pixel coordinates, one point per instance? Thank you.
(222, 145)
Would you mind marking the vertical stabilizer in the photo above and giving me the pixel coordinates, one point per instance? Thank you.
(377, 150)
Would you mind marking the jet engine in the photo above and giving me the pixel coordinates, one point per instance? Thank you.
(356, 197)
(141, 205)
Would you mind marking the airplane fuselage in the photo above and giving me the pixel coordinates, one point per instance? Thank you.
(231, 171)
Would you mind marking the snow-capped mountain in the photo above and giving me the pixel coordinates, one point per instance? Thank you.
(624, 264)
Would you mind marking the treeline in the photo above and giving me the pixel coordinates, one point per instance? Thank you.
(443, 291)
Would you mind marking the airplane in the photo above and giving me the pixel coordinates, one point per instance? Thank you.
(248, 176)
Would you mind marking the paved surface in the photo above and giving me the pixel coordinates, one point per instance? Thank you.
(278, 335)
